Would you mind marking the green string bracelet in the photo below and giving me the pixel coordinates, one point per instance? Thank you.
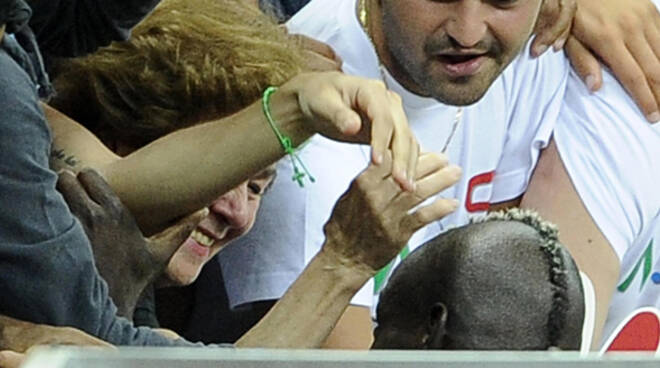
(285, 141)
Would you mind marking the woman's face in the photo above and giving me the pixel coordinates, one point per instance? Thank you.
(230, 216)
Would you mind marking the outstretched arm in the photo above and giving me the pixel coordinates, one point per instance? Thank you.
(185, 170)
(369, 226)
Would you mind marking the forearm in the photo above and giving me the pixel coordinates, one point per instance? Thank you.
(74, 147)
(317, 299)
(184, 171)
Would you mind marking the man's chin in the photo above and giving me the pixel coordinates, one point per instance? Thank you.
(460, 94)
(460, 91)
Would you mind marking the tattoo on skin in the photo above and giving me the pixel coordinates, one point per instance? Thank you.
(60, 159)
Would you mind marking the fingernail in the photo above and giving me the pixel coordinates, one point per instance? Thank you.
(65, 171)
(402, 175)
(654, 117)
(378, 158)
(413, 186)
(590, 82)
(559, 44)
(539, 50)
(454, 202)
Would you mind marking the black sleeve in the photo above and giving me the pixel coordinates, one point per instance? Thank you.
(46, 262)
(71, 28)
(145, 309)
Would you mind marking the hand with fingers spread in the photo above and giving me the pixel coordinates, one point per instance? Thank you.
(125, 259)
(625, 35)
(372, 221)
(354, 109)
(553, 25)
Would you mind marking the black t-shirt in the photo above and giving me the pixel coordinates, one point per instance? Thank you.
(70, 28)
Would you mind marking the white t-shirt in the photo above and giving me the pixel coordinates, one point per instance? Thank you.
(612, 155)
(497, 145)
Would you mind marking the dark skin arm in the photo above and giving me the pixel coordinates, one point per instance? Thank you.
(124, 257)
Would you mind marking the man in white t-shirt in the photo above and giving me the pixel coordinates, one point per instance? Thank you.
(493, 119)
(495, 140)
(598, 181)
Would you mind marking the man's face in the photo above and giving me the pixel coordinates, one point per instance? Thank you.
(230, 216)
(453, 50)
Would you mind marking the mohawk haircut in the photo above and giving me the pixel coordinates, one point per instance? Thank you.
(190, 61)
(551, 248)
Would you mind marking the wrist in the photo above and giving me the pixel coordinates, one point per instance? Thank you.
(347, 272)
(288, 115)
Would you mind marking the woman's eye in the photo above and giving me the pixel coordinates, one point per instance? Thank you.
(504, 3)
(254, 188)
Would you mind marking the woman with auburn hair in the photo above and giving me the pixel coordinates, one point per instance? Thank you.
(165, 79)
(188, 62)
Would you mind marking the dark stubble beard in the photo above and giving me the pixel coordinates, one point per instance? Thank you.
(417, 75)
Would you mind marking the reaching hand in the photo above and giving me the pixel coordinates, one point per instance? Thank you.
(553, 25)
(626, 36)
(372, 221)
(125, 259)
(354, 109)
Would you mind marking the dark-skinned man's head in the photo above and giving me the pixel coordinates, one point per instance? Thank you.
(500, 283)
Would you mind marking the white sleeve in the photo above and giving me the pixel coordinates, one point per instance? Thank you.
(535, 90)
(612, 156)
(308, 23)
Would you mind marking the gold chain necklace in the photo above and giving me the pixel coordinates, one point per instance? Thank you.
(363, 18)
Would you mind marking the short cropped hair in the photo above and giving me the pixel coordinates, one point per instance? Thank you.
(556, 263)
(190, 61)
(504, 282)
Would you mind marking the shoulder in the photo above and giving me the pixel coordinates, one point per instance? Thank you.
(318, 19)
(535, 81)
(19, 102)
(610, 122)
(610, 152)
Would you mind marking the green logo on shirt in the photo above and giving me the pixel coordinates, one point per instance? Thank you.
(647, 261)
(384, 273)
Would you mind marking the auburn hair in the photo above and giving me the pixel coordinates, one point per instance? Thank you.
(189, 61)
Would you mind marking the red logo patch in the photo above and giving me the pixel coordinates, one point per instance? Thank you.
(476, 181)
(641, 332)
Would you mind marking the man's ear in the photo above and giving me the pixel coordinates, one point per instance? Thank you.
(437, 328)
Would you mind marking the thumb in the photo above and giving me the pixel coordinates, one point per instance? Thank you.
(164, 244)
